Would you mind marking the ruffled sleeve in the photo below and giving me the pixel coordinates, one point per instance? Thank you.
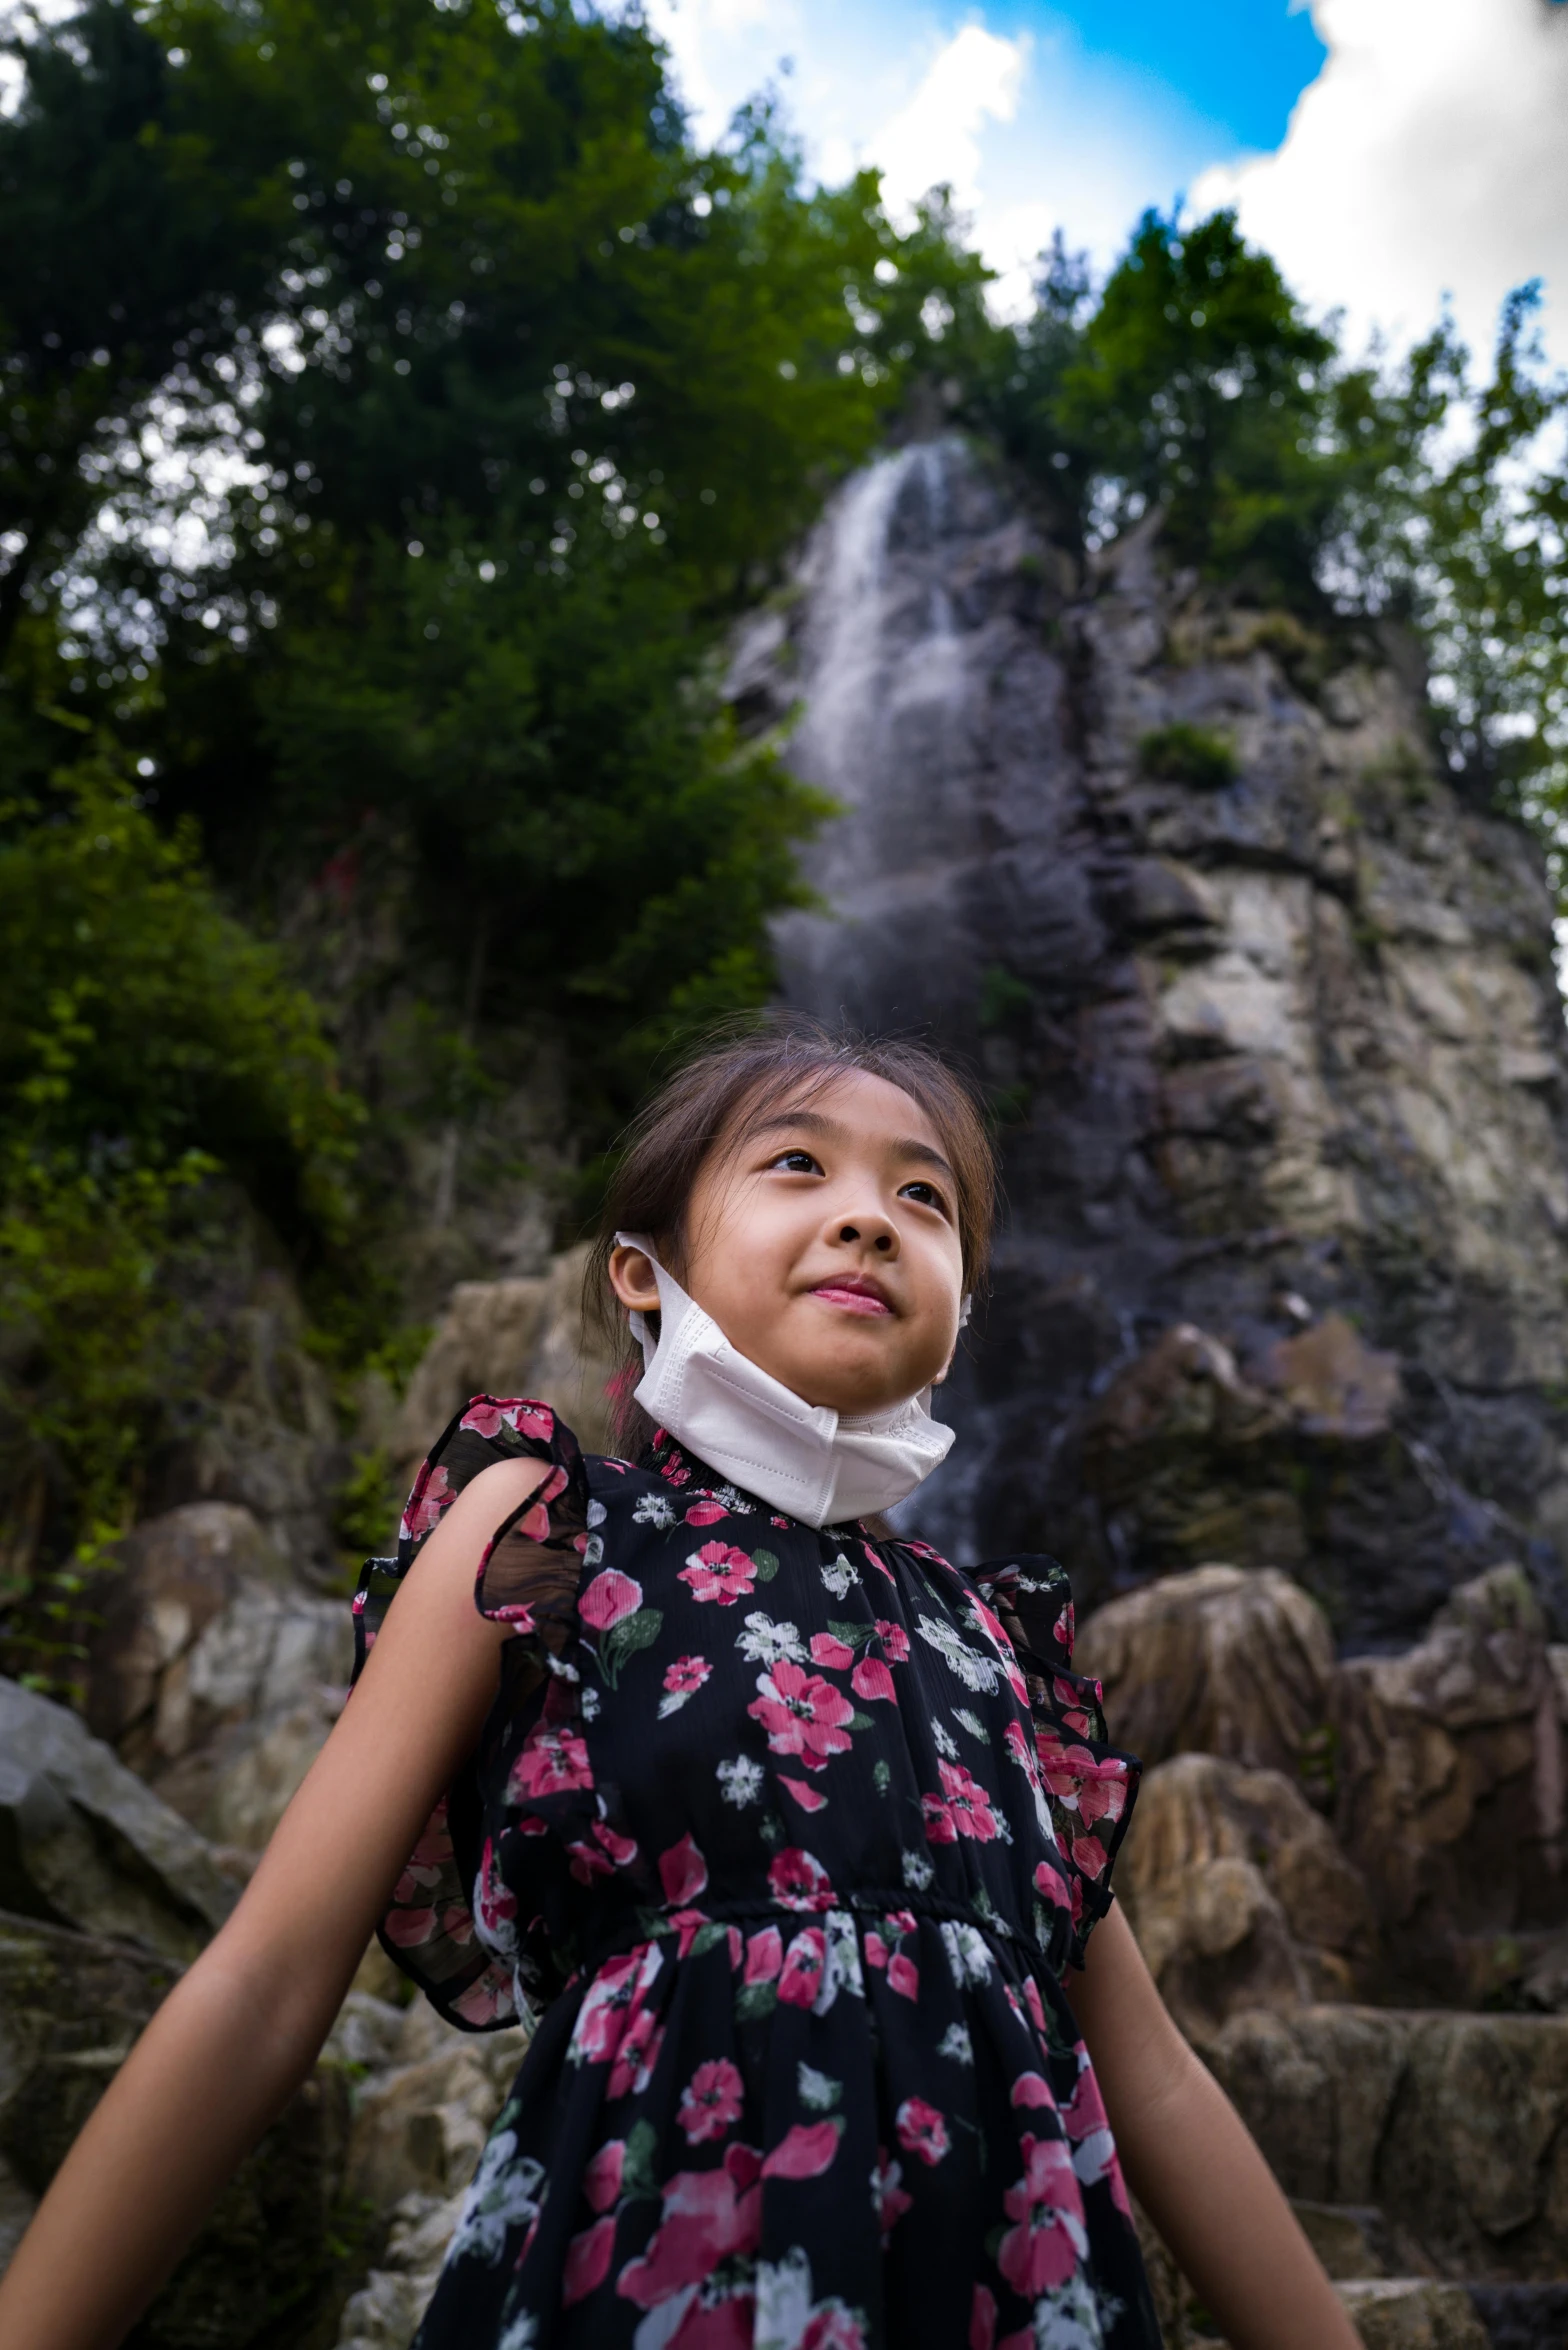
(1089, 1785)
(527, 1579)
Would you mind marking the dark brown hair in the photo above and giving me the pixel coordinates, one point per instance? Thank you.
(737, 1077)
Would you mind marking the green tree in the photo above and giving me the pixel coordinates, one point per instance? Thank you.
(534, 396)
(158, 1069)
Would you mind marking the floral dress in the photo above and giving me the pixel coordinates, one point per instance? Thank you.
(791, 1835)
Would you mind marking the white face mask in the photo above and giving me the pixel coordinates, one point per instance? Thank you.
(806, 1459)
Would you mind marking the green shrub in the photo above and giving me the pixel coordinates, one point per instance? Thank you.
(1188, 754)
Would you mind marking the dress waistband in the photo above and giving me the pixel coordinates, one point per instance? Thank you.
(865, 1902)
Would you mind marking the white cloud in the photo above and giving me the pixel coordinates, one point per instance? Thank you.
(1429, 157)
(935, 138)
(708, 39)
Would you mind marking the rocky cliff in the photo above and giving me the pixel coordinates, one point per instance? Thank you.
(1269, 1017)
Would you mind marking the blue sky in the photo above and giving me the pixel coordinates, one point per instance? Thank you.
(1390, 153)
(1239, 65)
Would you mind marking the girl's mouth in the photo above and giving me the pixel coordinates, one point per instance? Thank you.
(854, 1293)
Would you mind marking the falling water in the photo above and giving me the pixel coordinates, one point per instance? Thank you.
(886, 691)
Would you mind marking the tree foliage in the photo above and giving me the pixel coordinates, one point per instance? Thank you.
(1195, 385)
(156, 1063)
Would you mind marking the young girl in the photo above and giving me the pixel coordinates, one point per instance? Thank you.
(795, 1833)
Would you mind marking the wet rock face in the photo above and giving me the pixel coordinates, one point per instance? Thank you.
(1269, 1017)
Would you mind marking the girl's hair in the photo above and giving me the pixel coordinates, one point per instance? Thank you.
(730, 1085)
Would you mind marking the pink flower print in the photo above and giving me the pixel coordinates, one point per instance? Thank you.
(431, 1498)
(888, 2196)
(602, 2177)
(875, 1949)
(617, 1991)
(1059, 1764)
(1102, 1790)
(409, 1927)
(939, 1821)
(831, 1653)
(737, 1941)
(1085, 2109)
(968, 1802)
(871, 1679)
(685, 1676)
(803, 1964)
(1018, 1751)
(1069, 1696)
(587, 2260)
(921, 2130)
(682, 1872)
(706, 1513)
(457, 1924)
(806, 1797)
(495, 1905)
(607, 1852)
(1047, 2240)
(982, 2320)
(1051, 1884)
(1035, 2004)
(487, 1416)
(764, 1955)
(1089, 1856)
(832, 2326)
(609, 1599)
(687, 1923)
(553, 1760)
(487, 2002)
(799, 1881)
(805, 2151)
(720, 1572)
(802, 1714)
(707, 2216)
(895, 1641)
(1062, 1629)
(903, 1976)
(1030, 2089)
(1089, 2131)
(710, 2102)
(637, 2055)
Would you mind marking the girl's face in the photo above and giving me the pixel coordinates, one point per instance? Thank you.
(826, 1248)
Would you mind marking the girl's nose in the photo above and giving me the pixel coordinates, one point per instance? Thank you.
(881, 1239)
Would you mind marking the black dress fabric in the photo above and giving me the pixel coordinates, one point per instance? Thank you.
(792, 1836)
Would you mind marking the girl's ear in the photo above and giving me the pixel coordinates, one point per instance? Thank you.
(631, 1278)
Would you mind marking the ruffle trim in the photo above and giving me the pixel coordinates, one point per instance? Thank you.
(1089, 1785)
(528, 1580)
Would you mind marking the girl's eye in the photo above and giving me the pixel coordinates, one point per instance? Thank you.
(925, 1195)
(796, 1163)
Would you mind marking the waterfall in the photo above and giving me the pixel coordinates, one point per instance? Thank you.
(886, 687)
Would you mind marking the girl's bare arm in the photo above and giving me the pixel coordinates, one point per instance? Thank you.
(1193, 2167)
(242, 2029)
